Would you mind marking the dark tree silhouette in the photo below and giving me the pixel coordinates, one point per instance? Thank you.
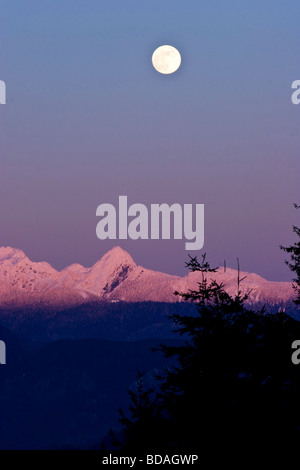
(294, 263)
(234, 382)
(141, 428)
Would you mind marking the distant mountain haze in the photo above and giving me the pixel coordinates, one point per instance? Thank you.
(115, 277)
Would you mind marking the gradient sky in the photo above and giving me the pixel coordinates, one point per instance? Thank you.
(88, 119)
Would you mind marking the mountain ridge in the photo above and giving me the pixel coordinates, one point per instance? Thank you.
(115, 277)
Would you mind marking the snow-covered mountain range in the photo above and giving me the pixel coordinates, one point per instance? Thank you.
(115, 277)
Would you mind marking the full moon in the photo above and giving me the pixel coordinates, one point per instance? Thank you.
(166, 60)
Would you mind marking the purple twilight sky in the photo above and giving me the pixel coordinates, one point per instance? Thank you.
(88, 119)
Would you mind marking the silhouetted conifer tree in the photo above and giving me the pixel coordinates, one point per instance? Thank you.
(234, 382)
(294, 264)
(142, 427)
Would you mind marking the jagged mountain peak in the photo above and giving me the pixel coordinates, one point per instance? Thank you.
(116, 256)
(109, 272)
(19, 272)
(11, 254)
